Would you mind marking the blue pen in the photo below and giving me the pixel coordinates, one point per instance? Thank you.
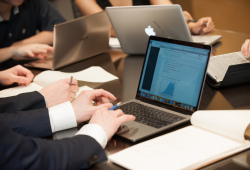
(115, 106)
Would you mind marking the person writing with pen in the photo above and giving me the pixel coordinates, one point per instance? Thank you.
(202, 26)
(26, 117)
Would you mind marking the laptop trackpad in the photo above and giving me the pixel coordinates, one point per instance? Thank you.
(134, 131)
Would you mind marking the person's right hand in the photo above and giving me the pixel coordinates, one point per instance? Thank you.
(60, 92)
(203, 26)
(245, 49)
(110, 120)
(32, 50)
(83, 105)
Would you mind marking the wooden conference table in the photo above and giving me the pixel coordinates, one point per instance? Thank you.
(128, 69)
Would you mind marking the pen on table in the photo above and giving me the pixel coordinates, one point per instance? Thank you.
(115, 106)
(71, 78)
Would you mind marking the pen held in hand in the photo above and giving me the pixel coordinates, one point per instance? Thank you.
(192, 20)
(71, 79)
(195, 20)
(115, 106)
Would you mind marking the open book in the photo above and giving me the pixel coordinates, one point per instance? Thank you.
(91, 74)
(212, 136)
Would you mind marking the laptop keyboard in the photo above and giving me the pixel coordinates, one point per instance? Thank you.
(149, 116)
(222, 62)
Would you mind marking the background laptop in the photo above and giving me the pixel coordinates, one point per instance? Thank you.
(229, 69)
(76, 40)
(171, 81)
(134, 24)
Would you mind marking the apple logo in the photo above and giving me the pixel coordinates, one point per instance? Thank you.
(150, 31)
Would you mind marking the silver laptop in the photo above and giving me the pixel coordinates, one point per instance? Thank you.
(134, 24)
(170, 87)
(76, 40)
(229, 69)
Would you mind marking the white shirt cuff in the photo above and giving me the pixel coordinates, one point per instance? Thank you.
(95, 131)
(62, 117)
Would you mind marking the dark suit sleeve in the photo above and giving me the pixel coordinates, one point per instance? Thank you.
(26, 114)
(22, 102)
(34, 123)
(19, 152)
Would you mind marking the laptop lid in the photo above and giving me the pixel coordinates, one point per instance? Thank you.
(78, 39)
(174, 73)
(134, 24)
(172, 78)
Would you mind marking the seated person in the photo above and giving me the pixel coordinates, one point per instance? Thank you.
(245, 49)
(39, 114)
(19, 23)
(202, 26)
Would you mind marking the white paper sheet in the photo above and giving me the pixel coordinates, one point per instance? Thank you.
(92, 74)
(114, 42)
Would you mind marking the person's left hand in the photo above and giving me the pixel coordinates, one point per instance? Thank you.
(17, 74)
(202, 26)
(84, 107)
(59, 92)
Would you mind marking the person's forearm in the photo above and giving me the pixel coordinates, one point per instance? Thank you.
(161, 2)
(190, 26)
(6, 53)
(44, 37)
(88, 7)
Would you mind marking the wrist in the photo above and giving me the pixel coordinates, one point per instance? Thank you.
(191, 27)
(1, 77)
(13, 51)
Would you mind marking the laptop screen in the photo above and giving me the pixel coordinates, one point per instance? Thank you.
(174, 73)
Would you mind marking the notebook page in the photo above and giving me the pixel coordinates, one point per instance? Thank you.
(91, 74)
(230, 123)
(31, 87)
(177, 150)
(20, 89)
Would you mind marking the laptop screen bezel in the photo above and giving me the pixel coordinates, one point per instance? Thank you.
(185, 43)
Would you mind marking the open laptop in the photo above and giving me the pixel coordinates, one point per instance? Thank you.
(134, 24)
(76, 40)
(229, 69)
(170, 87)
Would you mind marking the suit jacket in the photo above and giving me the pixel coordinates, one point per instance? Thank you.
(20, 152)
(27, 115)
